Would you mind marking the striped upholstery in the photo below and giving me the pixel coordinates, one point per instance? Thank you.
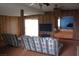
(10, 39)
(50, 45)
(45, 45)
(4, 36)
(26, 41)
(37, 44)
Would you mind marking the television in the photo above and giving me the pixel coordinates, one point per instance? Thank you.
(45, 27)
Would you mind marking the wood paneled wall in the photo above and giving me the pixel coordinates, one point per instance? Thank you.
(9, 24)
(75, 14)
(53, 17)
(61, 12)
(12, 24)
(44, 19)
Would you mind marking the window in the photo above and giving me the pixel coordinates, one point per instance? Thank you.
(59, 22)
(67, 22)
(31, 27)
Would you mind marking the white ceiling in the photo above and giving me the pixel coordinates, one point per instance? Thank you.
(13, 9)
(52, 5)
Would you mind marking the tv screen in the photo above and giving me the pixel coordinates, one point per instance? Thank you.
(45, 27)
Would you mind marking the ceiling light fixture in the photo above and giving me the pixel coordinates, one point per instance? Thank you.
(42, 4)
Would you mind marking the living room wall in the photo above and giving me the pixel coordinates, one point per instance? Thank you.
(9, 24)
(46, 18)
(6, 22)
(12, 24)
(75, 14)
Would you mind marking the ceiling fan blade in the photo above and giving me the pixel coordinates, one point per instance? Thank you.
(47, 4)
(31, 4)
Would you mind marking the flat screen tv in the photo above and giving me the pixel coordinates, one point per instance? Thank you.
(45, 27)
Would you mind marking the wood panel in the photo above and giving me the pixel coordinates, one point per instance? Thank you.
(9, 24)
(44, 18)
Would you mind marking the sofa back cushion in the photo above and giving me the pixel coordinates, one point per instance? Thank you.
(37, 45)
(10, 39)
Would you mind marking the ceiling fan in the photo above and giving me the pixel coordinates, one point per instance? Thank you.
(40, 4)
(46, 4)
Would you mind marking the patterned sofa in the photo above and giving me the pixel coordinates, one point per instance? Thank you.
(47, 45)
(10, 39)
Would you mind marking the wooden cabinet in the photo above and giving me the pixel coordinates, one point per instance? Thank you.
(64, 35)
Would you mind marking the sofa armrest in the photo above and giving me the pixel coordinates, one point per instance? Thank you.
(2, 43)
